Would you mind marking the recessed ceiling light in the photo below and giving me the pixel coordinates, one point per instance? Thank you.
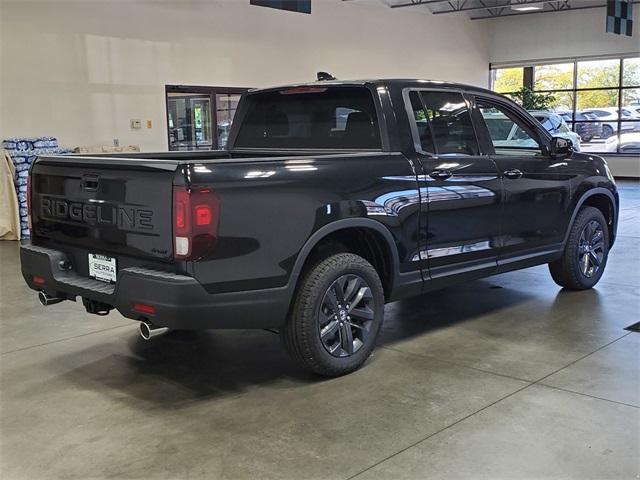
(524, 7)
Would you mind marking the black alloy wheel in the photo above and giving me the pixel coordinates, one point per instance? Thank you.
(346, 315)
(591, 249)
(585, 253)
(336, 315)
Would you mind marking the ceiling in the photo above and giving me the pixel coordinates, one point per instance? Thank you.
(481, 9)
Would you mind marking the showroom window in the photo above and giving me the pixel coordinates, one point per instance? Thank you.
(598, 98)
(507, 80)
(199, 118)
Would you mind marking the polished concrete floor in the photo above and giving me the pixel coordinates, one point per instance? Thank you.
(504, 378)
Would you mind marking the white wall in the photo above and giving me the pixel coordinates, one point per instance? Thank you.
(80, 70)
(556, 35)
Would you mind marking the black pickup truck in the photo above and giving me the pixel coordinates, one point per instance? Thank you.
(333, 198)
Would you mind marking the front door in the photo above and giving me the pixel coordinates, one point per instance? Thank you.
(464, 190)
(536, 187)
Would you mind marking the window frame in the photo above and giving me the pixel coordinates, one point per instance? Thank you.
(529, 81)
(415, 135)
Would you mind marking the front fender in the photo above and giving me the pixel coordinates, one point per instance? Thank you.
(584, 195)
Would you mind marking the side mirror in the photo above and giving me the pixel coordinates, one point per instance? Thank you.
(561, 148)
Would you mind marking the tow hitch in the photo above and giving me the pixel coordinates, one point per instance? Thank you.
(95, 307)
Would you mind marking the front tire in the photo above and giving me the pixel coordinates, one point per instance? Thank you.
(336, 315)
(586, 252)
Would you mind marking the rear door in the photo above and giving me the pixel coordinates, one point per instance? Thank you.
(108, 210)
(463, 188)
(536, 187)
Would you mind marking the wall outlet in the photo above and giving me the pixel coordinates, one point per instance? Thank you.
(116, 142)
(149, 124)
(136, 124)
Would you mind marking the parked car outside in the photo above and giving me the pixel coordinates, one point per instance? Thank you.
(587, 130)
(556, 126)
(609, 118)
(628, 143)
(635, 109)
(507, 133)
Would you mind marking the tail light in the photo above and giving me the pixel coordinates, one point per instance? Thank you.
(29, 202)
(196, 212)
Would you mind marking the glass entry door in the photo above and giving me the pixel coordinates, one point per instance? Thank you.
(199, 118)
(189, 118)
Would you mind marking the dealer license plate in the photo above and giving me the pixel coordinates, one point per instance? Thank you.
(102, 268)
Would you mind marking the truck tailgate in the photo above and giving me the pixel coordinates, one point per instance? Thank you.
(107, 207)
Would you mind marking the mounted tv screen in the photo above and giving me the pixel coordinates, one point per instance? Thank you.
(301, 6)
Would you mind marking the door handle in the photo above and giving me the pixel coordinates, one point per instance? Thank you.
(440, 174)
(512, 173)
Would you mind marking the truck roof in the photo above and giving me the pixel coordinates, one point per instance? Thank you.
(380, 82)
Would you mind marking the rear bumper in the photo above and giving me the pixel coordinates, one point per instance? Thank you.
(180, 302)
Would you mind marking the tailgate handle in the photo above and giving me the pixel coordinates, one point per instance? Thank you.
(90, 183)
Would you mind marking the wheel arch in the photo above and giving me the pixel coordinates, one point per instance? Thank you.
(605, 201)
(387, 267)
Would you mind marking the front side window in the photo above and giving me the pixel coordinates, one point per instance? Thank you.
(310, 118)
(509, 134)
(444, 120)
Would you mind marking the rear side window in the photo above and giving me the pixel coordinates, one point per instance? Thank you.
(443, 119)
(310, 118)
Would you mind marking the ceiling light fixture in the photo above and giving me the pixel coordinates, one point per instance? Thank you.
(527, 7)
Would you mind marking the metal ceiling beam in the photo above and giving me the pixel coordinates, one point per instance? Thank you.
(488, 7)
(417, 2)
(538, 12)
(496, 11)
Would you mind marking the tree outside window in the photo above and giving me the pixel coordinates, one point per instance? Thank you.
(507, 80)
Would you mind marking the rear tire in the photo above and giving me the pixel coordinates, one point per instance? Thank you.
(607, 131)
(336, 315)
(586, 252)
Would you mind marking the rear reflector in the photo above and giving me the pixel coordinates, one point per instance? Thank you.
(144, 308)
(196, 213)
(38, 280)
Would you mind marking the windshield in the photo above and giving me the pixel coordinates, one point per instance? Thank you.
(310, 118)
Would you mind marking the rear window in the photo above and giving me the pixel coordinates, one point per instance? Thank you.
(310, 118)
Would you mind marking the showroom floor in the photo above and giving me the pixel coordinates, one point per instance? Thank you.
(507, 377)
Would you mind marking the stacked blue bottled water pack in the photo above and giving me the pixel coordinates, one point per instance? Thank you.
(23, 151)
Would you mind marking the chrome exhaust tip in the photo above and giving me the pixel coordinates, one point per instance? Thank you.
(47, 300)
(148, 330)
